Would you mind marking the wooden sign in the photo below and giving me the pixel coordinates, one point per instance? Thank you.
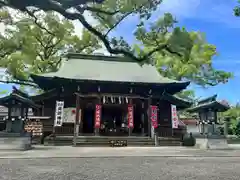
(69, 115)
(34, 127)
(59, 113)
(118, 143)
(98, 115)
(174, 117)
(130, 116)
(154, 116)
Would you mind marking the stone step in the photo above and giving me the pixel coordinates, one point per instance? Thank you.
(105, 141)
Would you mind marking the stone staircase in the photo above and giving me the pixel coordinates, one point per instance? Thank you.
(105, 141)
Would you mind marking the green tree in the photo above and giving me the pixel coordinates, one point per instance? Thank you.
(110, 14)
(27, 47)
(195, 66)
(3, 92)
(234, 115)
(236, 10)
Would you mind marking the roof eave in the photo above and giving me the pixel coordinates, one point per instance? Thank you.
(180, 103)
(29, 102)
(38, 79)
(216, 105)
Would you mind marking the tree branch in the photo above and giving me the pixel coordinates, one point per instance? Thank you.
(48, 5)
(81, 9)
(117, 23)
(69, 4)
(31, 14)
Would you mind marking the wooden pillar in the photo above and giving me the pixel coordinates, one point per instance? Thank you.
(9, 120)
(22, 110)
(77, 122)
(149, 117)
(143, 118)
(26, 112)
(42, 108)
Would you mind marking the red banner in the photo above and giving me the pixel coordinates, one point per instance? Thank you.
(98, 115)
(130, 116)
(154, 116)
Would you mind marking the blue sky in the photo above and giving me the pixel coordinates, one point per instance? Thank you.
(216, 20)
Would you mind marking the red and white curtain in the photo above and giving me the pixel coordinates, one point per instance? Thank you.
(130, 116)
(98, 112)
(154, 116)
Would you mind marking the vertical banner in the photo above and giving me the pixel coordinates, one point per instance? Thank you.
(98, 115)
(130, 116)
(154, 116)
(59, 113)
(174, 116)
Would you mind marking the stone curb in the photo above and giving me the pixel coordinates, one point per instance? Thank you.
(92, 157)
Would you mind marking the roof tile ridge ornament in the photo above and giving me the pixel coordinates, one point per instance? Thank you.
(223, 102)
(208, 99)
(98, 57)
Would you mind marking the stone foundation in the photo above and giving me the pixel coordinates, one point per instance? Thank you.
(212, 143)
(12, 141)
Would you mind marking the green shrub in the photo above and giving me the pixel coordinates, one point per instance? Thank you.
(235, 126)
(189, 140)
(221, 130)
(237, 130)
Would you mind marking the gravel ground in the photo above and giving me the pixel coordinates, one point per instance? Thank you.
(123, 168)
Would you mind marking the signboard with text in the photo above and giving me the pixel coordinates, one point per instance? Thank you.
(130, 116)
(154, 116)
(174, 117)
(59, 113)
(98, 115)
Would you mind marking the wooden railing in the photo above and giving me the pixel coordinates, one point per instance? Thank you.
(64, 130)
(163, 131)
(167, 131)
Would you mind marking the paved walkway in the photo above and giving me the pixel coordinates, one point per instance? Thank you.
(68, 151)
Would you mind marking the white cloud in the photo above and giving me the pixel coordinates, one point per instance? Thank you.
(183, 8)
(220, 11)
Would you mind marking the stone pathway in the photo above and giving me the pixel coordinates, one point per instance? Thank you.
(68, 152)
(124, 168)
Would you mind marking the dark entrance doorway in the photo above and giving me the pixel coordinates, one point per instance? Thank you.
(137, 115)
(88, 120)
(113, 120)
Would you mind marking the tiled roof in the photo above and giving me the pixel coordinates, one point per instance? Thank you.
(107, 68)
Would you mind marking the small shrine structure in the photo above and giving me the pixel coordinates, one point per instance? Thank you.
(18, 104)
(207, 110)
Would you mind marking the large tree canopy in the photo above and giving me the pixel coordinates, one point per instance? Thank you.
(27, 48)
(197, 67)
(110, 13)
